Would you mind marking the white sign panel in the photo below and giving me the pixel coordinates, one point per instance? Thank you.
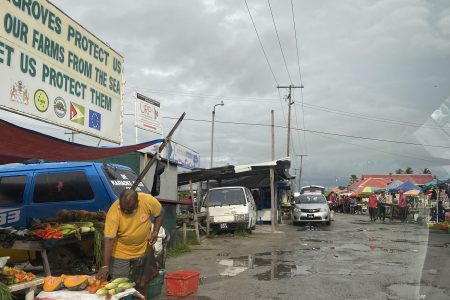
(54, 70)
(148, 115)
(184, 156)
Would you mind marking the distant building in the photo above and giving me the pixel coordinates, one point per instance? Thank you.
(418, 179)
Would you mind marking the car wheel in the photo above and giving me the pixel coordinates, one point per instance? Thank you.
(328, 223)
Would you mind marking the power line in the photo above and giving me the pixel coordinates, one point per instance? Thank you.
(265, 55)
(382, 151)
(279, 42)
(311, 106)
(260, 43)
(318, 131)
(296, 43)
(300, 75)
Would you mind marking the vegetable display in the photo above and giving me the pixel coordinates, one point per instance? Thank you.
(116, 286)
(76, 282)
(5, 293)
(52, 284)
(14, 276)
(95, 284)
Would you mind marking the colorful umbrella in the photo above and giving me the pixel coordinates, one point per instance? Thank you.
(366, 190)
(412, 193)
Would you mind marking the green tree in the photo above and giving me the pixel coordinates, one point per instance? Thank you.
(426, 171)
(399, 171)
(353, 178)
(409, 170)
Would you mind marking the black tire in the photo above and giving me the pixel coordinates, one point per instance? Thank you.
(328, 223)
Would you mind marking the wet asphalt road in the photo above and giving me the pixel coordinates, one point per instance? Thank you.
(351, 259)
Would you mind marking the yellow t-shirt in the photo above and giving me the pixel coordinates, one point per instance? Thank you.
(131, 230)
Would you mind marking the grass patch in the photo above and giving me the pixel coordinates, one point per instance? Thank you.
(236, 234)
(241, 233)
(179, 250)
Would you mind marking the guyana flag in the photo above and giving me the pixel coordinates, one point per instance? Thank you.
(77, 113)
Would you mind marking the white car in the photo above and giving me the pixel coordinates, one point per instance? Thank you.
(231, 208)
(311, 208)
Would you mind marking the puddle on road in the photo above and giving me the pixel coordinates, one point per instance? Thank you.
(280, 267)
(280, 271)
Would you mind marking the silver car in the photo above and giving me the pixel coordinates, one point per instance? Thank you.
(311, 208)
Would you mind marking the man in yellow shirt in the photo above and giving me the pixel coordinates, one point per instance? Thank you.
(128, 234)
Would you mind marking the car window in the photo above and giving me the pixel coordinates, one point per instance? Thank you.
(120, 179)
(63, 186)
(310, 199)
(12, 189)
(225, 197)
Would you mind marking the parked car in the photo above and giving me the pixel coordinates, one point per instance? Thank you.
(231, 208)
(39, 191)
(311, 208)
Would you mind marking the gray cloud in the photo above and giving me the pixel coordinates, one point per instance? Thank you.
(387, 59)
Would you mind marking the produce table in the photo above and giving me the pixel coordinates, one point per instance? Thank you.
(34, 246)
(43, 245)
(29, 287)
(75, 295)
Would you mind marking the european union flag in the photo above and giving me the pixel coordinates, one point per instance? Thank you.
(95, 120)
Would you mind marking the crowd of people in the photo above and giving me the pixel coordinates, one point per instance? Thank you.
(379, 202)
(377, 205)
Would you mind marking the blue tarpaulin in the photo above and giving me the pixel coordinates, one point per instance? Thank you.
(405, 186)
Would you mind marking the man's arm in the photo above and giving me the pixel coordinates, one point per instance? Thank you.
(107, 253)
(156, 226)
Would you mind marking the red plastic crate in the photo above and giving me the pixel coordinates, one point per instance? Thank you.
(181, 283)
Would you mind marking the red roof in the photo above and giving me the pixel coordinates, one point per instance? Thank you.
(419, 179)
(374, 182)
(20, 144)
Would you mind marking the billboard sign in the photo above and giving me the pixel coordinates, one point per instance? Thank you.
(54, 70)
(148, 114)
(183, 156)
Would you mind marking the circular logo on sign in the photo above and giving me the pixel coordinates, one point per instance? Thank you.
(60, 107)
(41, 100)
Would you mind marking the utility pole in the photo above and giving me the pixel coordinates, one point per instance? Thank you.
(301, 166)
(290, 102)
(273, 135)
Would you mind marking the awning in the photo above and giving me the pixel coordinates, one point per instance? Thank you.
(20, 144)
(243, 175)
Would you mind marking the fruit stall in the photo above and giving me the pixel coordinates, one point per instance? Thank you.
(60, 241)
(86, 287)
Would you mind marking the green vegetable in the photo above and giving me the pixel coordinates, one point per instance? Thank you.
(111, 285)
(114, 291)
(85, 229)
(102, 292)
(120, 280)
(126, 285)
(98, 248)
(5, 293)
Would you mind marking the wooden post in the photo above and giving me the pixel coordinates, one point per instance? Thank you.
(194, 208)
(184, 232)
(199, 200)
(272, 198)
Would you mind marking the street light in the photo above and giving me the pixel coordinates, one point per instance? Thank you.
(212, 131)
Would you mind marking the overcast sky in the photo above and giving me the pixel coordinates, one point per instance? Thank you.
(375, 69)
